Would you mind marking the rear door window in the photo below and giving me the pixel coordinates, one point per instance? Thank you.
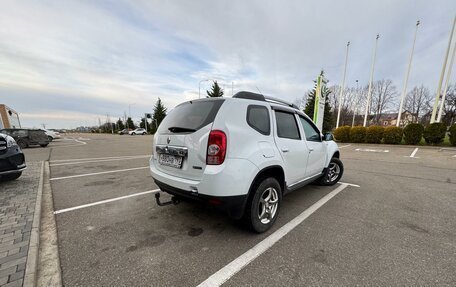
(258, 119)
(191, 116)
(287, 127)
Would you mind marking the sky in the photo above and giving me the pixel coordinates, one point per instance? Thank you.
(69, 63)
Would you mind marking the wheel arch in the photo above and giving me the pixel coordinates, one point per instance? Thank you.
(275, 171)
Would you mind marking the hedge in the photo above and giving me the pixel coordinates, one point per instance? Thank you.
(435, 133)
(453, 135)
(342, 134)
(392, 135)
(358, 134)
(413, 133)
(374, 134)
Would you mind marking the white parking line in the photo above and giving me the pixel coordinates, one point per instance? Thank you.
(350, 184)
(372, 150)
(79, 143)
(345, 146)
(104, 201)
(100, 160)
(97, 173)
(94, 158)
(447, 149)
(414, 152)
(237, 264)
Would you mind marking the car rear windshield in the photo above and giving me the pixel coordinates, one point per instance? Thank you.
(191, 116)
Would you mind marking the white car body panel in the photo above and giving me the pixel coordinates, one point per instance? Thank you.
(248, 152)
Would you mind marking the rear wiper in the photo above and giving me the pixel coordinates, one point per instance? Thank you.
(180, 130)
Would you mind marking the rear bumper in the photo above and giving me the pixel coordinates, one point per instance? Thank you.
(232, 178)
(234, 206)
(225, 186)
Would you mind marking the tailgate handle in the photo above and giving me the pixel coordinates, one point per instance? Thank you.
(172, 150)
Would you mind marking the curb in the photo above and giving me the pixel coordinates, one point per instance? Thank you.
(34, 245)
(49, 272)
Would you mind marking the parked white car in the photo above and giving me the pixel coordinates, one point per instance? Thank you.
(138, 131)
(51, 134)
(241, 155)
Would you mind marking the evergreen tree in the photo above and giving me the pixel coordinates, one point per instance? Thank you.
(130, 124)
(310, 105)
(159, 115)
(120, 125)
(216, 91)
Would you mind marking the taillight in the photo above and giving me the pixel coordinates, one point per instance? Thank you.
(216, 148)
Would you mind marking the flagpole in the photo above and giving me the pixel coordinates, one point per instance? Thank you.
(404, 91)
(341, 96)
(369, 93)
(442, 73)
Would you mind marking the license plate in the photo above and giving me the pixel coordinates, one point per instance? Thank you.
(170, 160)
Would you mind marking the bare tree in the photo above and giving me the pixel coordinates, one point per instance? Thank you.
(354, 101)
(383, 96)
(449, 107)
(417, 100)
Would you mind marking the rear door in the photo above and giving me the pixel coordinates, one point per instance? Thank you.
(317, 148)
(37, 136)
(293, 150)
(180, 142)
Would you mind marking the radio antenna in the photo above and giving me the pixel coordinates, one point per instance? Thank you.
(259, 90)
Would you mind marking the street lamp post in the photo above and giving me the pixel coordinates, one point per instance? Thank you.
(369, 93)
(404, 91)
(129, 113)
(341, 96)
(199, 87)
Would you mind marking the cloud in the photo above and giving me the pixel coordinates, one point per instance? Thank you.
(97, 58)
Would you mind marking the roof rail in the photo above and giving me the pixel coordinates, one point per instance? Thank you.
(260, 97)
(279, 101)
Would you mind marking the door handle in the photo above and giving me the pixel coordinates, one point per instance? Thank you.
(285, 149)
(311, 150)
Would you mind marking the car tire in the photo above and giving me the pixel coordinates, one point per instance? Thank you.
(43, 145)
(50, 138)
(144, 134)
(22, 144)
(263, 206)
(11, 176)
(333, 173)
(133, 134)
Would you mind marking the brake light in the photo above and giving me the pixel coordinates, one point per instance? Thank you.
(216, 148)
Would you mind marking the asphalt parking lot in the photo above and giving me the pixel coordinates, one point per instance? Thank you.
(392, 225)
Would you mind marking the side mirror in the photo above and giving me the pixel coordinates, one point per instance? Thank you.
(329, 137)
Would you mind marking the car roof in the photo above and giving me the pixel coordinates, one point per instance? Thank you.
(274, 103)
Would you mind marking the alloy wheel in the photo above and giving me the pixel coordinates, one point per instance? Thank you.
(268, 205)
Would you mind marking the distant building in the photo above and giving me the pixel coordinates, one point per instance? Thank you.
(390, 119)
(9, 118)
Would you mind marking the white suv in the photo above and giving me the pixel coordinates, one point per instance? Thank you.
(241, 155)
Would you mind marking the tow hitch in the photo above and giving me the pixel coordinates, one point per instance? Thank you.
(173, 200)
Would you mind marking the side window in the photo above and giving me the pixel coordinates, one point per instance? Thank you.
(310, 131)
(258, 119)
(20, 133)
(287, 127)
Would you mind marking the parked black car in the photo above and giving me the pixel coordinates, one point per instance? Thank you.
(27, 137)
(12, 160)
